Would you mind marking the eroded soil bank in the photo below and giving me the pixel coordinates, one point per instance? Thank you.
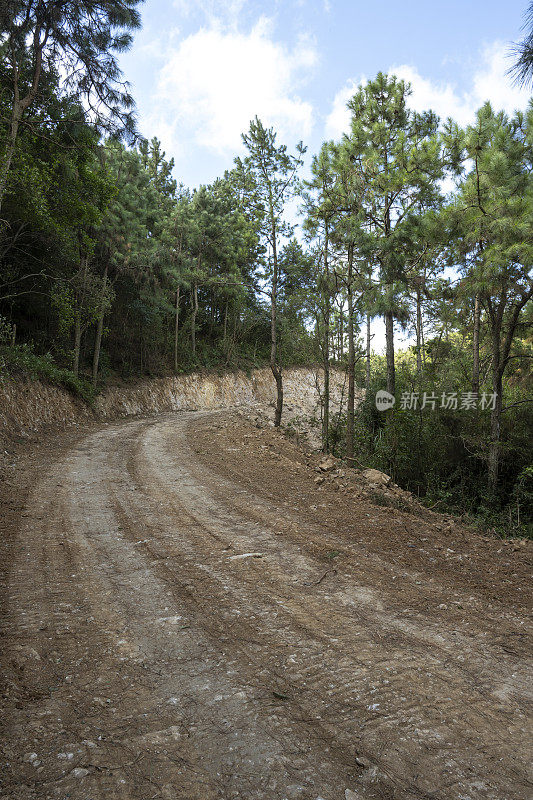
(28, 407)
(189, 614)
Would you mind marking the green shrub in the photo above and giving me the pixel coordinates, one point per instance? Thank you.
(21, 361)
(441, 455)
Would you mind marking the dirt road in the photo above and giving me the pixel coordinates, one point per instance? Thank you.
(360, 653)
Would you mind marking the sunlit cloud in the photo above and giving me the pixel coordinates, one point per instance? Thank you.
(490, 81)
(217, 79)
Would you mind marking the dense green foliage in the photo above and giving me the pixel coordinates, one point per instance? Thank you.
(440, 454)
(110, 268)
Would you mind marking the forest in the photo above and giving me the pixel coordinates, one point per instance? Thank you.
(112, 269)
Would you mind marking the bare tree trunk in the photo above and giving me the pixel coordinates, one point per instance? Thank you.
(141, 345)
(498, 368)
(77, 321)
(500, 356)
(341, 334)
(176, 327)
(418, 333)
(274, 366)
(225, 335)
(495, 418)
(325, 405)
(8, 157)
(350, 410)
(99, 328)
(422, 343)
(21, 104)
(77, 345)
(475, 344)
(389, 339)
(389, 315)
(212, 315)
(194, 301)
(368, 340)
(233, 340)
(325, 349)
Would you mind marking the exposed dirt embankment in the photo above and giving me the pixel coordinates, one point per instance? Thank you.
(204, 392)
(28, 407)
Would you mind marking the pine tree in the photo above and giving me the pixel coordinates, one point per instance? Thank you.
(274, 171)
(397, 154)
(496, 212)
(321, 207)
(523, 69)
(352, 272)
(128, 238)
(81, 38)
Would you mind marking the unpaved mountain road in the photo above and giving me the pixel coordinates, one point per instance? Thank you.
(366, 650)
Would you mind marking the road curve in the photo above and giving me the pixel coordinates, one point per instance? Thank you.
(147, 659)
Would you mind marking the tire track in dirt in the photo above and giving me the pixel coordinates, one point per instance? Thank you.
(179, 672)
(216, 733)
(219, 518)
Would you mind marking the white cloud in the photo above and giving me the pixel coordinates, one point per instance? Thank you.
(494, 83)
(441, 98)
(338, 120)
(156, 48)
(490, 81)
(217, 79)
(228, 10)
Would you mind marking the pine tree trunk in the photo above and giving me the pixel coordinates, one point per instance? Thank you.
(225, 335)
(341, 334)
(77, 344)
(500, 356)
(233, 340)
(77, 321)
(8, 156)
(274, 366)
(418, 333)
(325, 408)
(99, 328)
(389, 339)
(368, 340)
(389, 316)
(325, 349)
(141, 344)
(194, 300)
(176, 327)
(475, 344)
(495, 425)
(20, 105)
(212, 321)
(350, 411)
(496, 412)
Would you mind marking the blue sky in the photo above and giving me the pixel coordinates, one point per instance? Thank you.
(201, 70)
